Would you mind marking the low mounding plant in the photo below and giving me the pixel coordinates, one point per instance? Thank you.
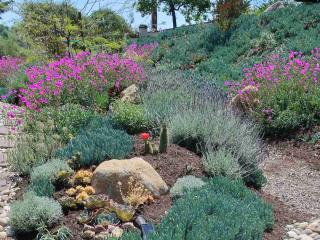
(286, 91)
(130, 116)
(34, 149)
(200, 120)
(44, 177)
(222, 209)
(68, 119)
(221, 163)
(184, 184)
(34, 212)
(98, 143)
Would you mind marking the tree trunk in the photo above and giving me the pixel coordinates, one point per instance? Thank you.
(154, 17)
(173, 13)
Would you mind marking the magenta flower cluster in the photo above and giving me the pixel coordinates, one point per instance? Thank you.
(142, 51)
(8, 65)
(12, 113)
(297, 67)
(81, 74)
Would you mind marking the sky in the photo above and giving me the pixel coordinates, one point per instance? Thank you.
(123, 7)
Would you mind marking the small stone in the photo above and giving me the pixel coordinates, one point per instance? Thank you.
(102, 236)
(296, 231)
(5, 192)
(88, 228)
(9, 231)
(128, 226)
(1, 228)
(292, 234)
(307, 231)
(289, 227)
(6, 208)
(305, 237)
(4, 221)
(3, 236)
(89, 235)
(303, 225)
(314, 235)
(99, 229)
(315, 227)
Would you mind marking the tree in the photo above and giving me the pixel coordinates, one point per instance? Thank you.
(191, 9)
(50, 24)
(228, 10)
(4, 6)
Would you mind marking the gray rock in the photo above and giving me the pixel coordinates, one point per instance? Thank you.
(275, 6)
(4, 221)
(3, 236)
(292, 234)
(1, 228)
(9, 231)
(88, 235)
(307, 232)
(305, 237)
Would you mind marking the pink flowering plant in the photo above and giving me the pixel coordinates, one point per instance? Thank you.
(141, 52)
(78, 79)
(12, 115)
(8, 65)
(286, 90)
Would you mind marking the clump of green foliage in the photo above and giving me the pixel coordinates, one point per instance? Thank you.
(130, 116)
(34, 149)
(222, 209)
(44, 177)
(97, 142)
(68, 119)
(62, 233)
(34, 212)
(184, 184)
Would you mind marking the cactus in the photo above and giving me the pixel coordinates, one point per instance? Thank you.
(163, 139)
(148, 148)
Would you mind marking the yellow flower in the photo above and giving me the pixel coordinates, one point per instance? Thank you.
(82, 196)
(89, 190)
(71, 192)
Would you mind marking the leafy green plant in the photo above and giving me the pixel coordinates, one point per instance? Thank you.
(34, 149)
(68, 119)
(44, 177)
(221, 163)
(222, 209)
(97, 143)
(185, 183)
(130, 116)
(62, 233)
(33, 212)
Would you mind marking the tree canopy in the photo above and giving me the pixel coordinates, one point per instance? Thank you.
(191, 9)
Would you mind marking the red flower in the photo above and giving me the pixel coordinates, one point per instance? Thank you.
(145, 136)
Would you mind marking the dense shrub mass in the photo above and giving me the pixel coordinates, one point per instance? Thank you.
(283, 92)
(130, 116)
(198, 118)
(33, 212)
(221, 55)
(43, 178)
(97, 142)
(222, 209)
(68, 119)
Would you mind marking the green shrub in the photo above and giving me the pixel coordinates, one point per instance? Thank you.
(43, 178)
(199, 119)
(185, 183)
(221, 163)
(130, 116)
(33, 212)
(34, 149)
(98, 143)
(68, 119)
(222, 209)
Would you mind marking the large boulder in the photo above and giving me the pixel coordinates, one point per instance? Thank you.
(108, 174)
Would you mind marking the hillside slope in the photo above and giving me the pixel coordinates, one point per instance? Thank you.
(219, 55)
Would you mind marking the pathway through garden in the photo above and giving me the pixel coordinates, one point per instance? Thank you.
(7, 183)
(293, 173)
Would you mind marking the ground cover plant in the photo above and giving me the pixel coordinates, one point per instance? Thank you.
(222, 209)
(221, 55)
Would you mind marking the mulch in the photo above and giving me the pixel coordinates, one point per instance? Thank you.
(178, 162)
